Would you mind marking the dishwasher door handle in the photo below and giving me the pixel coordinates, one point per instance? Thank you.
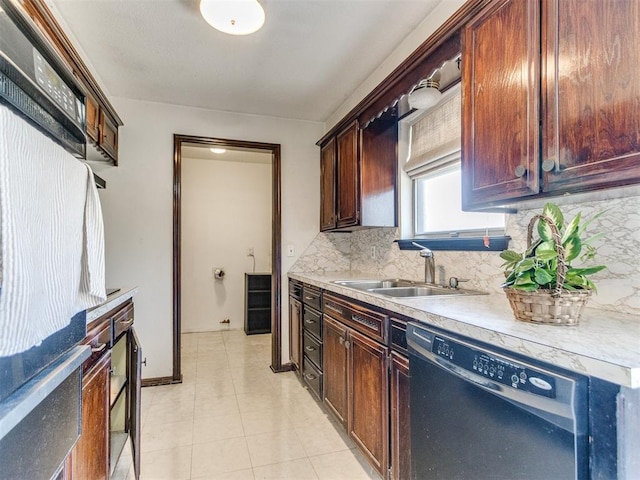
(482, 382)
(542, 407)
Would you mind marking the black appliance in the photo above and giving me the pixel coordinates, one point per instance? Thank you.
(40, 389)
(477, 412)
(36, 84)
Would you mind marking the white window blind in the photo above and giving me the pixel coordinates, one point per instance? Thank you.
(435, 137)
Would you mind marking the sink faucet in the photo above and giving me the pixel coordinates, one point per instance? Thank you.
(429, 263)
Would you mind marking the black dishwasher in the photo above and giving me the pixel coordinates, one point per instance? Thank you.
(484, 415)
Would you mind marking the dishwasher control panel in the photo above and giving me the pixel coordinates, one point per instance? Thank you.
(494, 367)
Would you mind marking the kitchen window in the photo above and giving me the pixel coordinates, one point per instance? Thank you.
(432, 184)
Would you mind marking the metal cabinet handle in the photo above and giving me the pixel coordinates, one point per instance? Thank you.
(309, 322)
(99, 348)
(310, 376)
(309, 348)
(126, 324)
(341, 341)
(548, 165)
(347, 344)
(520, 171)
(334, 308)
(365, 321)
(308, 298)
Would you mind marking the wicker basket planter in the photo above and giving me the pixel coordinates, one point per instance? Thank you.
(556, 306)
(545, 306)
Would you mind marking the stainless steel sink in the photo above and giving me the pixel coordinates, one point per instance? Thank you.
(423, 291)
(370, 284)
(398, 287)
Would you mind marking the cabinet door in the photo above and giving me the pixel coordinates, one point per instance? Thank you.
(592, 94)
(108, 136)
(93, 119)
(400, 418)
(135, 373)
(90, 455)
(295, 319)
(348, 181)
(369, 398)
(334, 367)
(500, 103)
(328, 186)
(378, 171)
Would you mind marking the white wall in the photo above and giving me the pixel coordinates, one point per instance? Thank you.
(138, 205)
(226, 208)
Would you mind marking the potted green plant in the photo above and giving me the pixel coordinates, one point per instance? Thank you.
(541, 284)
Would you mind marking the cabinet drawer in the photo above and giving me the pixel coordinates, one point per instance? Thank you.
(99, 338)
(122, 320)
(295, 289)
(312, 297)
(312, 349)
(312, 321)
(312, 377)
(365, 320)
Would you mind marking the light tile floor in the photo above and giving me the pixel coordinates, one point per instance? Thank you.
(233, 418)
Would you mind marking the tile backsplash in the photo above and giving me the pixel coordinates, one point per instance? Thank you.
(618, 285)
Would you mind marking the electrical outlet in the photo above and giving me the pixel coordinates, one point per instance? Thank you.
(373, 253)
(291, 251)
(249, 251)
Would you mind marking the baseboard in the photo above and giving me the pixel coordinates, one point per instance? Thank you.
(157, 381)
(287, 367)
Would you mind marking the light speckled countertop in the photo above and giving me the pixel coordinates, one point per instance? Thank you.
(604, 345)
(113, 300)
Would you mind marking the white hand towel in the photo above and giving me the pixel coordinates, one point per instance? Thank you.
(92, 287)
(49, 245)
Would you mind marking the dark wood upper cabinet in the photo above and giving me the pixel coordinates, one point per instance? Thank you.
(347, 186)
(93, 119)
(102, 120)
(500, 98)
(328, 185)
(591, 94)
(358, 176)
(108, 137)
(379, 170)
(550, 98)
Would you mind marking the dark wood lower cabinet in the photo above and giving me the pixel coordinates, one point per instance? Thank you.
(90, 456)
(369, 398)
(295, 323)
(356, 390)
(110, 398)
(334, 368)
(400, 418)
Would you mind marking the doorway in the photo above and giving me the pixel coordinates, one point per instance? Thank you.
(182, 142)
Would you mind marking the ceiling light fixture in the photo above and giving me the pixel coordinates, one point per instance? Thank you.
(218, 150)
(426, 95)
(235, 17)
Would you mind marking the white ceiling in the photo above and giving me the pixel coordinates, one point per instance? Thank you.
(303, 64)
